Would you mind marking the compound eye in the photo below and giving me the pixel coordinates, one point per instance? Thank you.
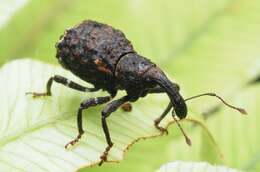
(177, 86)
(148, 79)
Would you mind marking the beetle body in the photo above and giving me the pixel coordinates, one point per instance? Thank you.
(101, 55)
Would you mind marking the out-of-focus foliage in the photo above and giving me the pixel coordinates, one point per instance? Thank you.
(8, 8)
(204, 45)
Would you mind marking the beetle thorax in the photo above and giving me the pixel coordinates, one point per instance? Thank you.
(130, 71)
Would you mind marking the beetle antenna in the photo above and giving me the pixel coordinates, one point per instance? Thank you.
(241, 110)
(187, 139)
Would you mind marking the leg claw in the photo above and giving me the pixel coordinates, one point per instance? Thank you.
(73, 142)
(103, 157)
(36, 95)
(162, 130)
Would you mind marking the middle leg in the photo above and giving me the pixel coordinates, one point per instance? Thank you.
(111, 107)
(84, 105)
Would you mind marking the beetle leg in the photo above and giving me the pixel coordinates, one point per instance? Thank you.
(64, 81)
(158, 89)
(111, 107)
(160, 118)
(84, 105)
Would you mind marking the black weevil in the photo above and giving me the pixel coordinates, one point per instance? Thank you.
(102, 56)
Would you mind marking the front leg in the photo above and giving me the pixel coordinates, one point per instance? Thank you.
(160, 118)
(64, 81)
(111, 107)
(157, 121)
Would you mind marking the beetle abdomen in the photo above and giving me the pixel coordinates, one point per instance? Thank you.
(91, 50)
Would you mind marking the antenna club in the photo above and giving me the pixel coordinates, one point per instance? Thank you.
(243, 111)
(188, 141)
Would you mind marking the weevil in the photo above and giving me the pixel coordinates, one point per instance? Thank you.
(102, 56)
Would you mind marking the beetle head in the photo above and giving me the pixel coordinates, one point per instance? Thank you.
(156, 75)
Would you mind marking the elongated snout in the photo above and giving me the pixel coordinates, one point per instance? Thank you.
(155, 74)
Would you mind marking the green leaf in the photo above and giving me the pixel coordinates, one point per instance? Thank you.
(182, 166)
(150, 154)
(203, 45)
(33, 132)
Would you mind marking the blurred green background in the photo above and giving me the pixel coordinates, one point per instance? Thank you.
(203, 45)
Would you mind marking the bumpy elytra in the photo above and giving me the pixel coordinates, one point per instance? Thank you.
(101, 55)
